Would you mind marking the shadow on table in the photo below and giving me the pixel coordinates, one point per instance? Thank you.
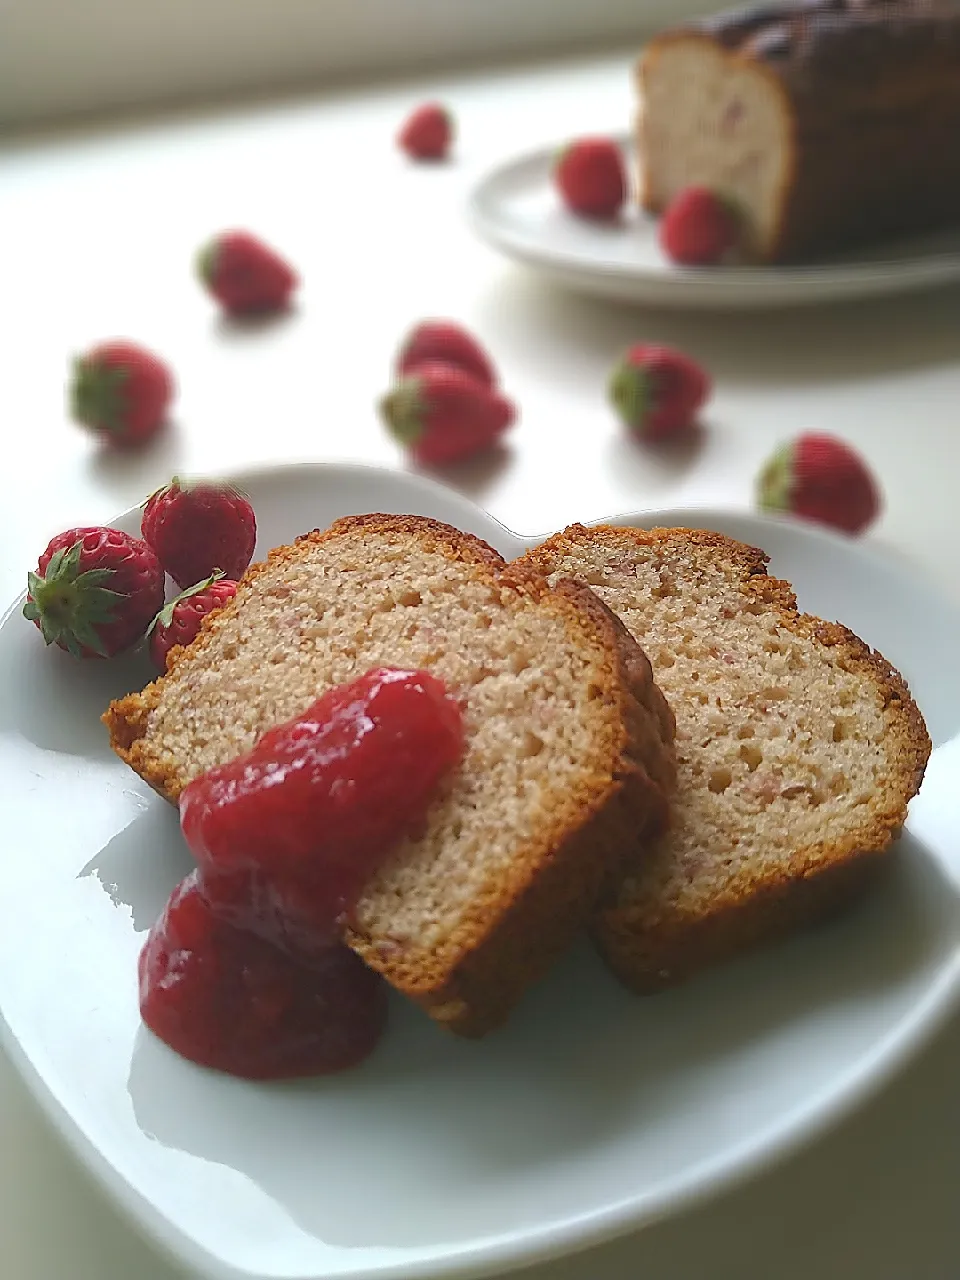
(562, 333)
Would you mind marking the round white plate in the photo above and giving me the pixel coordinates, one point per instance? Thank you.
(590, 1114)
(516, 209)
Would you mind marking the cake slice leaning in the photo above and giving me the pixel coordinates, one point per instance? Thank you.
(569, 759)
(798, 749)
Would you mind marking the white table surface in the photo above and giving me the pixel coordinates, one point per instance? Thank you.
(98, 232)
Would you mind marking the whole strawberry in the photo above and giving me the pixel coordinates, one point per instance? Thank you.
(591, 178)
(178, 622)
(121, 392)
(658, 391)
(442, 414)
(699, 228)
(245, 275)
(197, 529)
(427, 133)
(449, 343)
(820, 478)
(94, 592)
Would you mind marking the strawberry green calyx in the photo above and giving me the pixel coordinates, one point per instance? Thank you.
(404, 411)
(207, 261)
(775, 482)
(165, 617)
(96, 394)
(630, 392)
(69, 606)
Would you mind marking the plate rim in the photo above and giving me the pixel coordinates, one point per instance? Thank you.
(702, 288)
(731, 1168)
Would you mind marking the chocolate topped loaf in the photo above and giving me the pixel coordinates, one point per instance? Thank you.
(828, 123)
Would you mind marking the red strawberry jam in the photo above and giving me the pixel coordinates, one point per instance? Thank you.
(226, 999)
(302, 914)
(244, 971)
(329, 793)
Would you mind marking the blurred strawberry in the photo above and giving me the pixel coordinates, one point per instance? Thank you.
(699, 228)
(442, 414)
(591, 177)
(657, 390)
(820, 478)
(427, 132)
(449, 343)
(121, 392)
(245, 275)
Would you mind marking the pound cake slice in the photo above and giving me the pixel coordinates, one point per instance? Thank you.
(828, 123)
(798, 749)
(569, 757)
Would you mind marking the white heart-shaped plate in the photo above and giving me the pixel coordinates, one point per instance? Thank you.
(592, 1113)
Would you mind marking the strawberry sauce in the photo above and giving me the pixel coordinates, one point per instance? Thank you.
(245, 971)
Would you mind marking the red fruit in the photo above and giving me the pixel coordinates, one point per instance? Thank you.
(198, 529)
(228, 1000)
(178, 622)
(442, 414)
(819, 478)
(657, 390)
(324, 797)
(244, 274)
(449, 343)
(698, 228)
(121, 392)
(95, 591)
(591, 178)
(427, 133)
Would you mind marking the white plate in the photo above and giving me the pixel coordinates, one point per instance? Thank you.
(516, 209)
(591, 1114)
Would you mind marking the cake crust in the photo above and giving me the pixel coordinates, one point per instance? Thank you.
(711, 889)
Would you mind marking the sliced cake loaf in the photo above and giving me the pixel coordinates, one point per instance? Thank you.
(798, 748)
(569, 755)
(828, 123)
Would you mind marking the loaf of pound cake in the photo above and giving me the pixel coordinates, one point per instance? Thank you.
(828, 123)
(798, 750)
(569, 762)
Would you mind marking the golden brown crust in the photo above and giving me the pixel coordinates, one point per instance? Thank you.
(517, 927)
(540, 917)
(649, 945)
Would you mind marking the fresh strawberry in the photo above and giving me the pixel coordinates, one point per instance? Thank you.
(658, 391)
(427, 133)
(121, 392)
(245, 275)
(442, 414)
(196, 529)
(95, 591)
(449, 343)
(178, 622)
(698, 228)
(820, 478)
(591, 178)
